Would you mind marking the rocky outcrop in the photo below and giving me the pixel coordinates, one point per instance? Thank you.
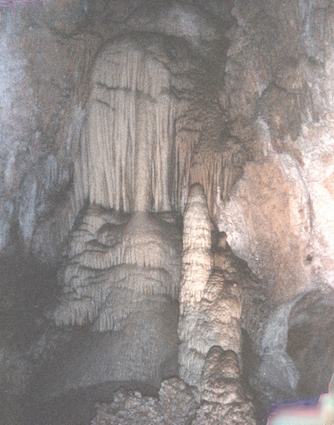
(178, 402)
(277, 215)
(223, 399)
(129, 409)
(176, 406)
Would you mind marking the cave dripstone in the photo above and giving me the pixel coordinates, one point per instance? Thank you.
(166, 209)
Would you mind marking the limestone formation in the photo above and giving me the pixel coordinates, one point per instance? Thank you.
(177, 402)
(111, 254)
(223, 398)
(119, 117)
(211, 297)
(130, 132)
(176, 406)
(121, 272)
(196, 268)
(144, 111)
(129, 409)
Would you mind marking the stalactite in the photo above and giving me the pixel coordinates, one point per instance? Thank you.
(129, 136)
(216, 166)
(142, 146)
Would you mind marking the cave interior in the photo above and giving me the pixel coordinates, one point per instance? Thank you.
(166, 210)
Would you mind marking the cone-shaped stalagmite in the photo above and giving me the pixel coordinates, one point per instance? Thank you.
(210, 308)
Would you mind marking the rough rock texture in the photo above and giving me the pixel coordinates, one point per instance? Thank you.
(277, 376)
(306, 340)
(177, 402)
(113, 257)
(129, 409)
(210, 307)
(176, 406)
(279, 95)
(196, 268)
(223, 398)
(219, 294)
(121, 281)
(53, 51)
(242, 104)
(278, 92)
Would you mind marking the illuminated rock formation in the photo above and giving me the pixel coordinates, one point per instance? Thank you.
(196, 265)
(146, 110)
(210, 304)
(130, 132)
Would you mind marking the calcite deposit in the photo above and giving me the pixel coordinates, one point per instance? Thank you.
(166, 209)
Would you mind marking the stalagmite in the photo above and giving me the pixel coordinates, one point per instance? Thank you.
(196, 248)
(143, 148)
(196, 268)
(223, 398)
(210, 308)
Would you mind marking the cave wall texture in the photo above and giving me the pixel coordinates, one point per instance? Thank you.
(110, 112)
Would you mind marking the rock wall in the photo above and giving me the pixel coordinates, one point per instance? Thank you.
(271, 107)
(275, 218)
(127, 104)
